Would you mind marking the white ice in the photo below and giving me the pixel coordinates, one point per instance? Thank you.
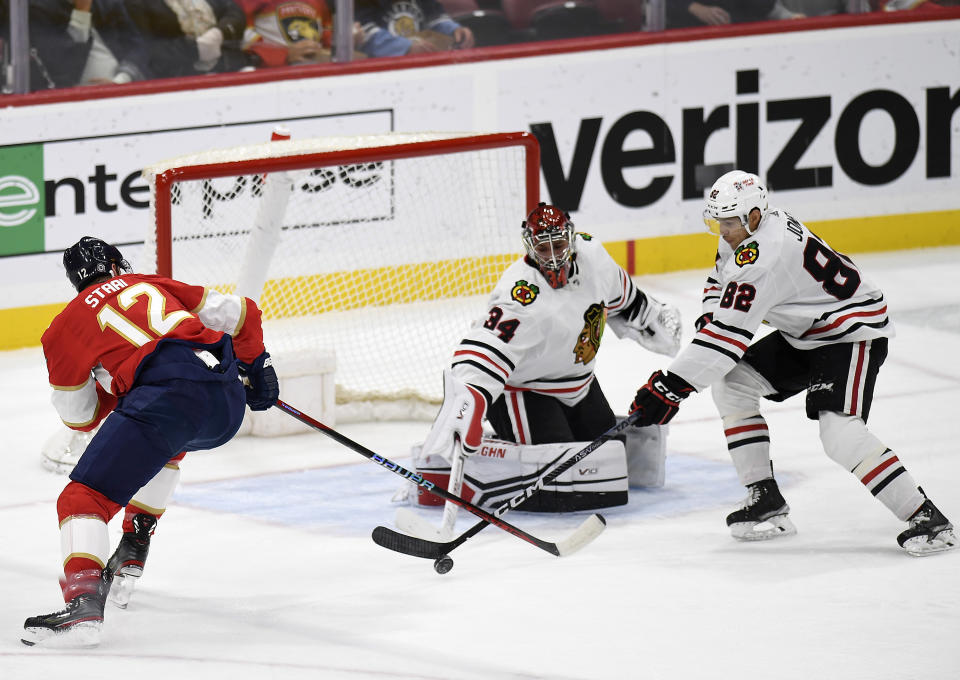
(263, 567)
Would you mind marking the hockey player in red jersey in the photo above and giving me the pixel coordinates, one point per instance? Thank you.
(830, 340)
(160, 361)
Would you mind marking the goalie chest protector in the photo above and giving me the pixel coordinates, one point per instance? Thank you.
(500, 470)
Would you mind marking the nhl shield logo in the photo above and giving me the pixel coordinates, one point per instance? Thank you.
(524, 292)
(747, 254)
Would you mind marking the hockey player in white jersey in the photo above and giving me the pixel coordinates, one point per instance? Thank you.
(527, 364)
(831, 338)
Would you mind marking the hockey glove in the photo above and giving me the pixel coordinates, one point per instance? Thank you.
(263, 389)
(703, 320)
(659, 400)
(652, 324)
(460, 419)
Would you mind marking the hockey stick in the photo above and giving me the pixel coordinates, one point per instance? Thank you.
(418, 547)
(585, 533)
(411, 523)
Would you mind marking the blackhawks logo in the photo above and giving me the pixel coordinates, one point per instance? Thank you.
(588, 342)
(747, 254)
(585, 236)
(524, 292)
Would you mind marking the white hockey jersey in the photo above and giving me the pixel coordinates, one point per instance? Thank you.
(536, 338)
(785, 276)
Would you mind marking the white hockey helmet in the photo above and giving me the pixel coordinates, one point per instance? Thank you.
(735, 194)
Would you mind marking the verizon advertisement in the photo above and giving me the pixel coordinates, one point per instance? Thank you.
(843, 123)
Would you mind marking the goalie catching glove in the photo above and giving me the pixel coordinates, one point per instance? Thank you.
(652, 324)
(260, 379)
(659, 400)
(460, 419)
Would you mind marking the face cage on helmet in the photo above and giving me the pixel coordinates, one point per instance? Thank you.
(559, 256)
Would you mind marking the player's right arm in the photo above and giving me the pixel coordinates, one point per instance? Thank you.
(237, 316)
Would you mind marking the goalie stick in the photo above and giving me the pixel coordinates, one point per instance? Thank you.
(419, 547)
(586, 532)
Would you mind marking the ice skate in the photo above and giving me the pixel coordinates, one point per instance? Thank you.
(763, 515)
(929, 532)
(78, 624)
(126, 563)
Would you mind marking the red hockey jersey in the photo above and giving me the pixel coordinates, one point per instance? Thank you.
(94, 346)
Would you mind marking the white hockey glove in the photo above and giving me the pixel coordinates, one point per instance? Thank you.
(656, 327)
(460, 419)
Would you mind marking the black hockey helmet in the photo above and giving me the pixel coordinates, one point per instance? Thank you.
(90, 258)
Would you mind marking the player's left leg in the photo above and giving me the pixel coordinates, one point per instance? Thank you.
(84, 514)
(840, 397)
(591, 416)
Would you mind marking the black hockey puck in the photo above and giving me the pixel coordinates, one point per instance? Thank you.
(443, 564)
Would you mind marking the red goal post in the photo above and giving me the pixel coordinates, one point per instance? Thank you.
(378, 249)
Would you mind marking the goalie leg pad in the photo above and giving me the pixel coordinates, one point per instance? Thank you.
(493, 475)
(646, 451)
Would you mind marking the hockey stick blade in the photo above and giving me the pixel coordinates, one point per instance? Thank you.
(430, 487)
(592, 527)
(586, 532)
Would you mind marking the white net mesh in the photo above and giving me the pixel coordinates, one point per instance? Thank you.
(383, 263)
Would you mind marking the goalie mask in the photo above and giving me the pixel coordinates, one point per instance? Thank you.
(89, 259)
(735, 194)
(548, 239)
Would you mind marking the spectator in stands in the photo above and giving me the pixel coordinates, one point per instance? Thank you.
(190, 37)
(393, 28)
(84, 42)
(280, 32)
(682, 14)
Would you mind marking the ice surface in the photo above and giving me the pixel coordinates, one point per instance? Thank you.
(263, 567)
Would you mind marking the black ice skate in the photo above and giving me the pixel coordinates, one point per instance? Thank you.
(929, 532)
(76, 625)
(763, 506)
(126, 563)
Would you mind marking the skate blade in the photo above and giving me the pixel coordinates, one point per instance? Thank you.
(921, 546)
(122, 589)
(79, 635)
(772, 527)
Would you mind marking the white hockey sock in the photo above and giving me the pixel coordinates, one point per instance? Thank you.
(888, 480)
(748, 440)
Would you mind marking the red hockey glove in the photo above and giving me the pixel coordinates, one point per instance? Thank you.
(659, 400)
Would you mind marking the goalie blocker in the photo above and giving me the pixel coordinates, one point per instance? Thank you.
(499, 468)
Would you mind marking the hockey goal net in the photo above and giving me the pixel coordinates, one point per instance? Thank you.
(377, 250)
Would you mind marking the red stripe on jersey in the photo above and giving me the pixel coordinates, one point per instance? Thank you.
(485, 358)
(518, 418)
(733, 342)
(845, 317)
(857, 376)
(558, 390)
(867, 478)
(744, 428)
(710, 288)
